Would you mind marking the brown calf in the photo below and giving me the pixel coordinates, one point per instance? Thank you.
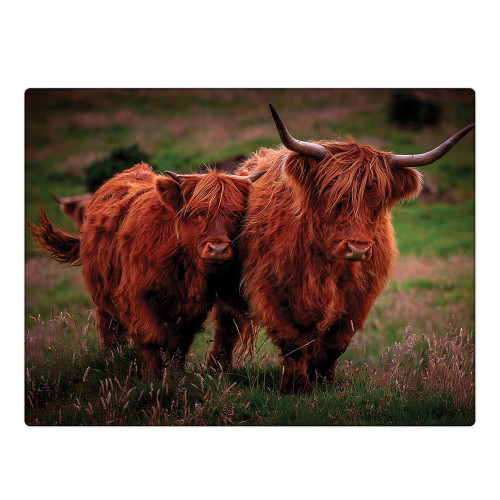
(154, 252)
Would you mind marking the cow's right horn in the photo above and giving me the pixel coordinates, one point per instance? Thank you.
(306, 148)
(258, 175)
(177, 178)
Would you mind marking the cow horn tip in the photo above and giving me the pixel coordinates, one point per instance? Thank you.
(177, 178)
(56, 198)
(258, 175)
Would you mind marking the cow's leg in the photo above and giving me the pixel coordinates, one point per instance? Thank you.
(151, 355)
(333, 344)
(229, 327)
(149, 334)
(322, 366)
(294, 379)
(111, 330)
(152, 333)
(178, 344)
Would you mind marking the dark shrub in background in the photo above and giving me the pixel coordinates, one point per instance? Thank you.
(118, 161)
(407, 110)
(121, 159)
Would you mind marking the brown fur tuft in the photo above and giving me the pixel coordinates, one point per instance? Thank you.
(63, 247)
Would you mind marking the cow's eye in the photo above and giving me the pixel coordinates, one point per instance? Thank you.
(372, 196)
(197, 216)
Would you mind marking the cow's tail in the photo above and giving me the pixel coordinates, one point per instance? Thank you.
(61, 246)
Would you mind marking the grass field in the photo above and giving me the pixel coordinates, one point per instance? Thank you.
(412, 365)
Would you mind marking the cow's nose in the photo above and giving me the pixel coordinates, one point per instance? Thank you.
(216, 252)
(219, 249)
(357, 251)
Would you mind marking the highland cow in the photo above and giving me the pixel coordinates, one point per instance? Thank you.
(154, 252)
(318, 246)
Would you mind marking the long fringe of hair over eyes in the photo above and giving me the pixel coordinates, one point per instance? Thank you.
(351, 174)
(212, 191)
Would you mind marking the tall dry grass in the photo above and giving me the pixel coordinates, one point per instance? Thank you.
(430, 365)
(68, 381)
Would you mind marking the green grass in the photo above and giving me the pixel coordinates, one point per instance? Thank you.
(63, 295)
(436, 229)
(407, 303)
(62, 350)
(69, 382)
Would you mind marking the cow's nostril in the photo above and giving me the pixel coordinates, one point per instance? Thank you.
(218, 249)
(355, 252)
(216, 252)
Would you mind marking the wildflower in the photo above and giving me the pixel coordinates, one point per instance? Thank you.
(49, 348)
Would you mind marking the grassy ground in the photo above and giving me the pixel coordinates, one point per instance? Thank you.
(387, 377)
(390, 375)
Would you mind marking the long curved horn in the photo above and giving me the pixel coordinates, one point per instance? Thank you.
(258, 175)
(306, 148)
(177, 178)
(57, 198)
(419, 160)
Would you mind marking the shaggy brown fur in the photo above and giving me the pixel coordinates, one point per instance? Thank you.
(294, 243)
(145, 249)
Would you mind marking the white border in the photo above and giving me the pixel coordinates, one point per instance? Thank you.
(357, 44)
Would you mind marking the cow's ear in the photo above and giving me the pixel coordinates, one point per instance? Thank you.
(406, 185)
(169, 193)
(68, 208)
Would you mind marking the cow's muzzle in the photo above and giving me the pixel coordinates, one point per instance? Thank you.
(216, 252)
(354, 250)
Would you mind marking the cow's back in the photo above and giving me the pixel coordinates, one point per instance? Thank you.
(121, 217)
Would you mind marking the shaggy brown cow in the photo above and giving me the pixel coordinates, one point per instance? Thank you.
(154, 251)
(318, 246)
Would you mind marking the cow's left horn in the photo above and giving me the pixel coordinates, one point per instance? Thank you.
(57, 198)
(431, 156)
(258, 175)
(177, 178)
(306, 148)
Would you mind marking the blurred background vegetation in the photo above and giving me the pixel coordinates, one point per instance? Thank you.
(69, 132)
(77, 138)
